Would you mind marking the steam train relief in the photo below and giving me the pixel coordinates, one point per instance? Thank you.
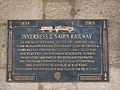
(57, 29)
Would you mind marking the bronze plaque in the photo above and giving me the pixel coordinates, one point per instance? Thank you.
(57, 51)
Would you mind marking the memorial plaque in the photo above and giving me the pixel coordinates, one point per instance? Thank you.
(57, 51)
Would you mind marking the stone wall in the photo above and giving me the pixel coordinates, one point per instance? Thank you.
(63, 9)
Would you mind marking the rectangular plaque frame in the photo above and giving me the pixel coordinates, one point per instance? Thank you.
(17, 72)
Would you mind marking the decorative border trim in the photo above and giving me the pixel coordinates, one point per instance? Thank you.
(10, 52)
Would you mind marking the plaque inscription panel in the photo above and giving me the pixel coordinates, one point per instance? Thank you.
(57, 50)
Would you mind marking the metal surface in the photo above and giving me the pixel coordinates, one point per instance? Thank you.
(57, 50)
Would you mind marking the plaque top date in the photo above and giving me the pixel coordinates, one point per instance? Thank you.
(57, 51)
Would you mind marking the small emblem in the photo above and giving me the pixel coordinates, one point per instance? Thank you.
(57, 75)
(57, 29)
